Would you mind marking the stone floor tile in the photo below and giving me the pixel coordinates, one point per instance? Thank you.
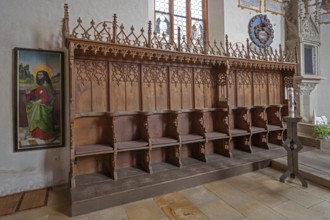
(228, 193)
(177, 207)
(293, 210)
(243, 183)
(268, 197)
(199, 195)
(257, 211)
(301, 197)
(115, 213)
(144, 210)
(323, 209)
(218, 209)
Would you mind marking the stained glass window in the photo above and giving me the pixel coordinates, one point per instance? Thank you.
(186, 14)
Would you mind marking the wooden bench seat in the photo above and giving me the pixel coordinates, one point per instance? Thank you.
(93, 149)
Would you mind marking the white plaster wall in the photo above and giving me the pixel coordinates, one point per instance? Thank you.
(322, 90)
(237, 21)
(38, 24)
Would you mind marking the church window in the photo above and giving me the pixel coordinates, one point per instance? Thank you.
(189, 15)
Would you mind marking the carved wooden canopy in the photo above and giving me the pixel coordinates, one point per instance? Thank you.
(113, 41)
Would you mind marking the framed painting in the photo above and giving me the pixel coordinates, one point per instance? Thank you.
(38, 84)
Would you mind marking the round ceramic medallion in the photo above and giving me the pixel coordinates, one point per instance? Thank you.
(261, 31)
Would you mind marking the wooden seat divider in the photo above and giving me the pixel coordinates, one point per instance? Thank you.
(240, 128)
(192, 132)
(215, 121)
(275, 124)
(130, 141)
(162, 133)
(259, 126)
(91, 150)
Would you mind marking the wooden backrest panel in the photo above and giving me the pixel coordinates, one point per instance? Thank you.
(91, 130)
(124, 86)
(185, 123)
(244, 87)
(204, 88)
(154, 87)
(274, 87)
(158, 125)
(181, 87)
(127, 127)
(260, 86)
(91, 86)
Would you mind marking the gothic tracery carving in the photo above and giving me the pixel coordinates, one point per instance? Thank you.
(124, 72)
(203, 77)
(243, 78)
(154, 74)
(91, 71)
(181, 76)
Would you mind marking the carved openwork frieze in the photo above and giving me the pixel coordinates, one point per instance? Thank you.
(244, 78)
(203, 77)
(154, 74)
(181, 76)
(125, 72)
(116, 41)
(274, 78)
(87, 71)
(260, 78)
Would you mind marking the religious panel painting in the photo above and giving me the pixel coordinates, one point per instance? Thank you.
(274, 6)
(325, 12)
(254, 5)
(38, 79)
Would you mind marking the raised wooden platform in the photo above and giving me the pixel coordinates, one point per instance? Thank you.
(96, 191)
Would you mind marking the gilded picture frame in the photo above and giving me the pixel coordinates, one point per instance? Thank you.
(38, 96)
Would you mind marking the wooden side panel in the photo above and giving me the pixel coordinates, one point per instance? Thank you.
(154, 87)
(91, 79)
(260, 83)
(274, 86)
(181, 88)
(232, 88)
(124, 87)
(244, 88)
(203, 87)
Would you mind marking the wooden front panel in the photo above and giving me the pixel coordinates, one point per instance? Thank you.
(181, 88)
(232, 88)
(260, 85)
(244, 87)
(274, 87)
(90, 130)
(203, 87)
(154, 87)
(124, 87)
(91, 80)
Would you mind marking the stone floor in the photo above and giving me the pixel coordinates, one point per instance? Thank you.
(254, 195)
